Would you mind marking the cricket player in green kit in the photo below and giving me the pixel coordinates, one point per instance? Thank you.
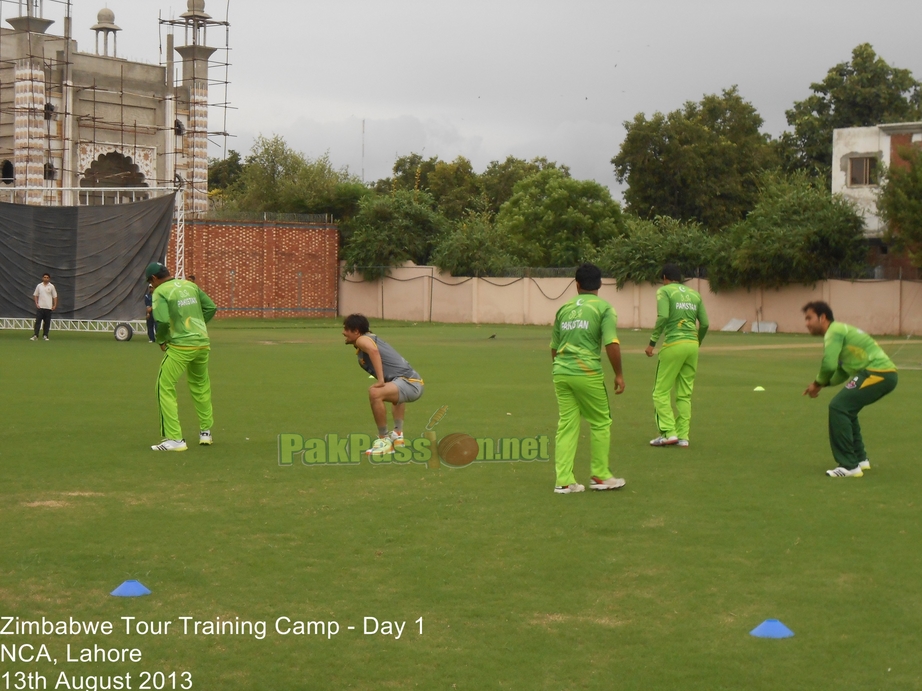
(181, 309)
(683, 322)
(582, 327)
(848, 354)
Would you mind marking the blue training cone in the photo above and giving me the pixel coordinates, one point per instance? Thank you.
(771, 628)
(130, 589)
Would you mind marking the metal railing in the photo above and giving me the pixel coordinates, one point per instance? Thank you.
(82, 196)
(27, 324)
(267, 216)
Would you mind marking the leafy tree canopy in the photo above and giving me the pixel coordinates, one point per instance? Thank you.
(389, 230)
(699, 163)
(866, 91)
(410, 172)
(276, 178)
(498, 181)
(798, 233)
(455, 188)
(223, 173)
(639, 254)
(474, 247)
(554, 220)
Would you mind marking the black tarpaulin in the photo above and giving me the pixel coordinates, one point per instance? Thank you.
(96, 256)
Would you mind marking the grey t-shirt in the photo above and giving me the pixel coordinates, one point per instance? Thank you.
(392, 362)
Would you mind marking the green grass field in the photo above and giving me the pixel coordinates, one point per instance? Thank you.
(653, 587)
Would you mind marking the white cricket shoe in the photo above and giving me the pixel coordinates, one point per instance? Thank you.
(34, 338)
(664, 441)
(610, 483)
(845, 472)
(204, 438)
(397, 440)
(572, 488)
(865, 464)
(381, 447)
(171, 445)
(682, 443)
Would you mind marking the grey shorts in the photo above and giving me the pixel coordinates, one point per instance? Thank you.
(408, 390)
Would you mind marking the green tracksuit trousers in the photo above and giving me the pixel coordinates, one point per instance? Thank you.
(580, 396)
(862, 389)
(194, 362)
(675, 368)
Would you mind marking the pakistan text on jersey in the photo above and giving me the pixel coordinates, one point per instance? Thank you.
(686, 306)
(575, 324)
(186, 301)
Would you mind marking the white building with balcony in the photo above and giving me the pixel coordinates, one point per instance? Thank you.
(860, 155)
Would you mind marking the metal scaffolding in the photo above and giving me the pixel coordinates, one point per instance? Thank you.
(82, 128)
(66, 102)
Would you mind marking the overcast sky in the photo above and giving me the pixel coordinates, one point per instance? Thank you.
(487, 79)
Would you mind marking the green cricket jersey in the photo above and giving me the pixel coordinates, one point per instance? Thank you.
(181, 309)
(582, 327)
(680, 316)
(847, 350)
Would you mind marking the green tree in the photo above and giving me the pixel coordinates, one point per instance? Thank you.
(224, 173)
(474, 246)
(269, 174)
(389, 230)
(699, 163)
(900, 204)
(639, 254)
(798, 233)
(455, 187)
(410, 172)
(554, 220)
(499, 179)
(276, 178)
(322, 189)
(864, 92)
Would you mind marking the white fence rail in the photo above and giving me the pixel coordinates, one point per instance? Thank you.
(82, 196)
(28, 324)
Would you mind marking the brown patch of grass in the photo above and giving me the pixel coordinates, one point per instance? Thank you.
(50, 504)
(548, 619)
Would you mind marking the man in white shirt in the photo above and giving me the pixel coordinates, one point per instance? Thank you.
(46, 301)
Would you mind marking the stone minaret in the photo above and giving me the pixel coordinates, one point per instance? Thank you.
(195, 55)
(105, 24)
(29, 107)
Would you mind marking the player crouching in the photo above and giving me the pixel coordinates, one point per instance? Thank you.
(398, 383)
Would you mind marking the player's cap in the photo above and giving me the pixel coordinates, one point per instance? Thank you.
(153, 269)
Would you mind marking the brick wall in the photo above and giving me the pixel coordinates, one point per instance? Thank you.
(897, 142)
(270, 269)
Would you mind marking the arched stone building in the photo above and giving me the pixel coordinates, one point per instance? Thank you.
(73, 124)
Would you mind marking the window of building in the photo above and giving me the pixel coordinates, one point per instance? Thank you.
(862, 171)
(7, 175)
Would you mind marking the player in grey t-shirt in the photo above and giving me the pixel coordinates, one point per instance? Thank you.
(398, 383)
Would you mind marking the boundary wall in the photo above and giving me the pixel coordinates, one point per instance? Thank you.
(422, 293)
(263, 268)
